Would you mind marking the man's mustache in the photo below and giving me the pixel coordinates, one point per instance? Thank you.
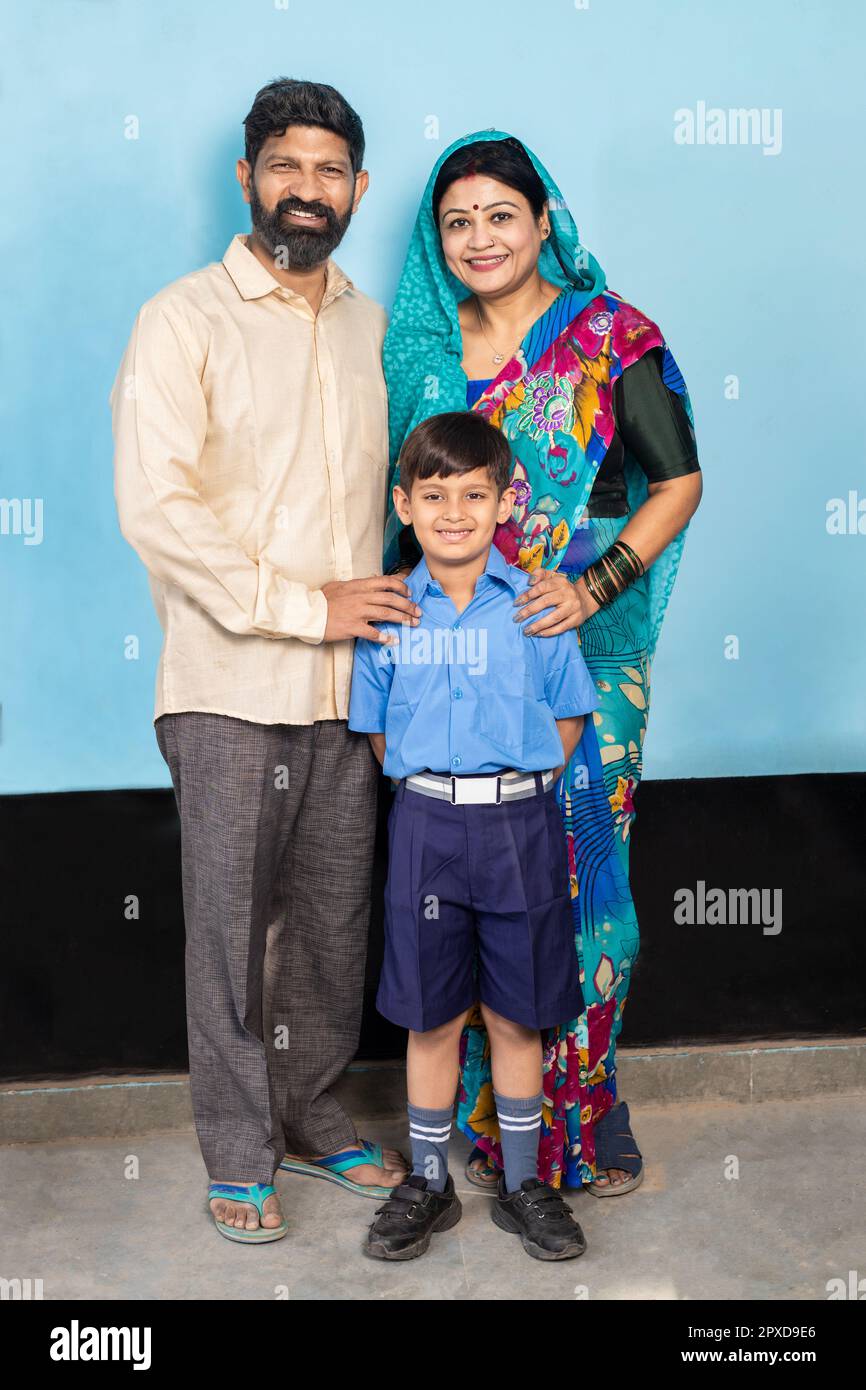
(316, 209)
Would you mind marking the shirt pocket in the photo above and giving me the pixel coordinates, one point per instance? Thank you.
(409, 684)
(503, 692)
(371, 407)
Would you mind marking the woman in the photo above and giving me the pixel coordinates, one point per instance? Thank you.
(501, 310)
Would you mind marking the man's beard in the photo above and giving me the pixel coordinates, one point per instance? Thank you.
(292, 246)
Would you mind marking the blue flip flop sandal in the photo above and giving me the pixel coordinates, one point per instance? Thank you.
(253, 1194)
(335, 1166)
(616, 1147)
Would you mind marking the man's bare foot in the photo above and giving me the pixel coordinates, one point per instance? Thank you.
(392, 1172)
(243, 1215)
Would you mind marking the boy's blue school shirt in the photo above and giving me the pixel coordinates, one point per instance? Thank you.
(469, 692)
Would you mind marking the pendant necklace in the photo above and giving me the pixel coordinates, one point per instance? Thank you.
(498, 357)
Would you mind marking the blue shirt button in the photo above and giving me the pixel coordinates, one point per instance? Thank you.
(458, 693)
(456, 761)
(458, 627)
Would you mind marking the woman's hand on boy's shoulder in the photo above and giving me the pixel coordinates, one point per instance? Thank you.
(570, 604)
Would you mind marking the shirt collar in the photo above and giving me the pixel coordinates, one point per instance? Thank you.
(420, 581)
(252, 280)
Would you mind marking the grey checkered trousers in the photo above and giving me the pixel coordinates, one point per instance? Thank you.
(277, 832)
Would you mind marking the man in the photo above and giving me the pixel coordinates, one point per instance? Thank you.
(250, 426)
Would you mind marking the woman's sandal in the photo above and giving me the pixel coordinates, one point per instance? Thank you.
(253, 1194)
(487, 1178)
(335, 1166)
(616, 1147)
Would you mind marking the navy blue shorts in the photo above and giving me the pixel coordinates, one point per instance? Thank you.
(478, 907)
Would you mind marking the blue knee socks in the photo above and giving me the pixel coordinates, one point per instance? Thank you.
(429, 1131)
(519, 1126)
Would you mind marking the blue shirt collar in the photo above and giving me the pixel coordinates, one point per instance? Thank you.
(420, 581)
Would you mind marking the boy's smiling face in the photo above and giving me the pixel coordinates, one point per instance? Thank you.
(454, 517)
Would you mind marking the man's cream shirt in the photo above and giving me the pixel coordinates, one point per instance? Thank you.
(251, 460)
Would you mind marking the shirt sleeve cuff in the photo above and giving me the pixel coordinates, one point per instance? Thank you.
(573, 711)
(287, 608)
(367, 725)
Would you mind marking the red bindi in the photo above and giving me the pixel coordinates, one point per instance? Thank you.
(474, 207)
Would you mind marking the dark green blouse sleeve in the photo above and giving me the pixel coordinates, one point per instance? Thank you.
(652, 421)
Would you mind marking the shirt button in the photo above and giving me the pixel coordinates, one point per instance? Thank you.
(456, 761)
(458, 627)
(458, 693)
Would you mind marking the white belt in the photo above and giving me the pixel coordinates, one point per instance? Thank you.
(478, 791)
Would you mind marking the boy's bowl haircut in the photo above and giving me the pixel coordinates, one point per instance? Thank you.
(458, 441)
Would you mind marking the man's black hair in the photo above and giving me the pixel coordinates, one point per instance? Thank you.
(288, 102)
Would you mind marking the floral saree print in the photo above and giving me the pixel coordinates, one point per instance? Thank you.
(553, 402)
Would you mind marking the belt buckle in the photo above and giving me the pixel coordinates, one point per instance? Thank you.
(476, 800)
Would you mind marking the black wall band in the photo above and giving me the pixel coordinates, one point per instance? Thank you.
(84, 988)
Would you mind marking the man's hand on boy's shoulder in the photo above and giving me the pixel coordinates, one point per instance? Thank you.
(355, 604)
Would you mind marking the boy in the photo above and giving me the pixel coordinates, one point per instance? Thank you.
(475, 722)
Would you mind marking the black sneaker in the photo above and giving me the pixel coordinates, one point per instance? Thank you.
(404, 1225)
(541, 1218)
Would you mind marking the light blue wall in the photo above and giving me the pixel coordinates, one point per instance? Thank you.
(752, 264)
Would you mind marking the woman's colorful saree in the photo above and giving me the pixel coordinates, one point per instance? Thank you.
(553, 401)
